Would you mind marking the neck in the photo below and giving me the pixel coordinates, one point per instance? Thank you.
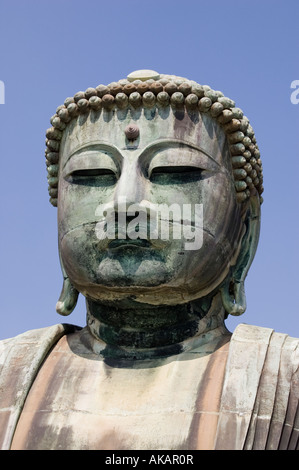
(128, 327)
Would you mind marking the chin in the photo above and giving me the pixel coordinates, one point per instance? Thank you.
(159, 295)
(152, 288)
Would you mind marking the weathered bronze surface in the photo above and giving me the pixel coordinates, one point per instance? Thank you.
(155, 366)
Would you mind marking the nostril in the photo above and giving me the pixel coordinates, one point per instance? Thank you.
(131, 225)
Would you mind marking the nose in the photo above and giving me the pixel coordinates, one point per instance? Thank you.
(130, 187)
(129, 193)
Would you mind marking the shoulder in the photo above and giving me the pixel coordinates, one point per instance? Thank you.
(20, 360)
(23, 354)
(261, 390)
(262, 352)
(266, 342)
(33, 341)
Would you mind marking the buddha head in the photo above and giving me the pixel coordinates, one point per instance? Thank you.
(158, 185)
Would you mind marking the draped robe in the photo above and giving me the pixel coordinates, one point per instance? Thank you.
(239, 394)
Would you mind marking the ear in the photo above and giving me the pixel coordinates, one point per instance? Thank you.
(69, 295)
(232, 290)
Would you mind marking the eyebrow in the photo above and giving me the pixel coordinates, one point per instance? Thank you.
(110, 149)
(174, 143)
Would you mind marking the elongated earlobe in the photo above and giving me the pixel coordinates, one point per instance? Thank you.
(69, 295)
(233, 297)
(232, 290)
(68, 298)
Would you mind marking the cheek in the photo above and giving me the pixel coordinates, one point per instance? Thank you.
(80, 254)
(222, 235)
(78, 205)
(221, 213)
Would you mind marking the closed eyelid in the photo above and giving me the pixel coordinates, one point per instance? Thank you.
(176, 153)
(181, 160)
(97, 150)
(90, 161)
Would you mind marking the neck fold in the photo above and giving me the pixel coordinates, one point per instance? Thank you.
(128, 328)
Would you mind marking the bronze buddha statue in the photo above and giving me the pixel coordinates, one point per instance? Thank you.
(158, 184)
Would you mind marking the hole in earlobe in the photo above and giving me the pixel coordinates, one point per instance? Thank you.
(231, 289)
(233, 297)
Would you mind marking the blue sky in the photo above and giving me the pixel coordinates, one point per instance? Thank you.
(49, 50)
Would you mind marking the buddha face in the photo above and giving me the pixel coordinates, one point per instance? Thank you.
(149, 213)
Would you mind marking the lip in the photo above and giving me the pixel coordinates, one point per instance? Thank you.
(129, 243)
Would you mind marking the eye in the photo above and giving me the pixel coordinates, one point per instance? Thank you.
(175, 174)
(93, 177)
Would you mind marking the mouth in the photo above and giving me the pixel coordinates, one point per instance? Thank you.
(129, 243)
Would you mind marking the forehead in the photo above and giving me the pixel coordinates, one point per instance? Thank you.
(155, 126)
